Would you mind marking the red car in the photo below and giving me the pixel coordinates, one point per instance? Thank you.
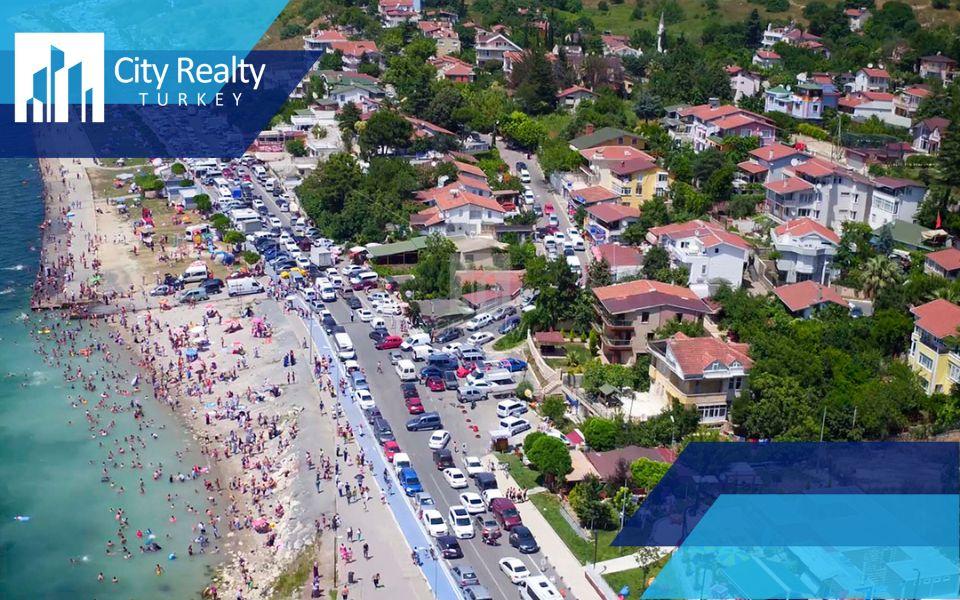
(390, 342)
(390, 448)
(548, 207)
(436, 384)
(464, 370)
(414, 406)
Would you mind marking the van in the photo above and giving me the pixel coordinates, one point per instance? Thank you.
(442, 361)
(401, 460)
(422, 352)
(425, 422)
(415, 339)
(201, 229)
(511, 408)
(344, 346)
(573, 263)
(478, 321)
(195, 272)
(270, 184)
(260, 173)
(382, 430)
(538, 588)
(198, 294)
(243, 286)
(579, 244)
(485, 481)
(506, 513)
(494, 376)
(469, 354)
(406, 371)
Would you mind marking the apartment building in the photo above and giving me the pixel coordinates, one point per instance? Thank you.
(805, 250)
(713, 255)
(933, 346)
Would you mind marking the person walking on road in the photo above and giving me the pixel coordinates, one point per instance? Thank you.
(376, 580)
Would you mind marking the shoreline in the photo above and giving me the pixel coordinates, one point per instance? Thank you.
(245, 564)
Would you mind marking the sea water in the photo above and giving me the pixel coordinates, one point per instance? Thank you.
(45, 463)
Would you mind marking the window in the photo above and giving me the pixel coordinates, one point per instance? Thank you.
(712, 413)
(925, 361)
(954, 373)
(644, 317)
(886, 205)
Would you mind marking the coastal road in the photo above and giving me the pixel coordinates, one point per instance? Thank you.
(459, 420)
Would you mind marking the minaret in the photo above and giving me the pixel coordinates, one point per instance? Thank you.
(661, 31)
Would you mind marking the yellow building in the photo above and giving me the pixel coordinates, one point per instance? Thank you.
(630, 173)
(934, 352)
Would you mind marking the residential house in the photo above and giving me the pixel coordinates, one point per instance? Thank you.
(890, 153)
(836, 194)
(606, 222)
(712, 255)
(871, 79)
(864, 105)
(702, 373)
(452, 210)
(856, 18)
(426, 129)
(748, 173)
(606, 136)
(939, 67)
(805, 250)
(805, 298)
(744, 83)
(830, 94)
(452, 69)
(933, 348)
(706, 125)
(624, 261)
(352, 88)
(490, 47)
(894, 200)
(591, 195)
(632, 174)
(928, 134)
(804, 101)
(908, 100)
(473, 179)
(354, 53)
(574, 95)
(791, 197)
(766, 59)
(448, 41)
(629, 314)
(304, 119)
(945, 263)
(322, 40)
(790, 35)
(775, 157)
(618, 45)
(394, 13)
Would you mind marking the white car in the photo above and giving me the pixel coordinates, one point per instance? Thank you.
(480, 338)
(275, 222)
(350, 270)
(364, 315)
(491, 494)
(378, 296)
(388, 307)
(351, 365)
(304, 263)
(328, 294)
(573, 232)
(364, 399)
(477, 322)
(514, 569)
(460, 522)
(438, 439)
(433, 521)
(451, 348)
(472, 502)
(473, 466)
(514, 425)
(455, 478)
(528, 196)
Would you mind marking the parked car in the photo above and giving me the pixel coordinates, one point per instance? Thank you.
(487, 526)
(480, 338)
(460, 523)
(449, 547)
(414, 406)
(448, 335)
(442, 458)
(434, 523)
(472, 502)
(390, 449)
(509, 325)
(389, 343)
(464, 575)
(514, 569)
(378, 335)
(455, 478)
(476, 592)
(450, 380)
(522, 539)
(162, 290)
(438, 439)
(436, 384)
(503, 312)
(513, 364)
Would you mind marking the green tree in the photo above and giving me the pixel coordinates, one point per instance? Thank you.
(204, 205)
(347, 118)
(250, 257)
(586, 502)
(555, 156)
(601, 434)
(384, 132)
(520, 254)
(530, 440)
(647, 473)
(877, 273)
(554, 408)
(648, 106)
(433, 272)
(296, 147)
(177, 168)
(324, 192)
(534, 84)
(522, 130)
(598, 273)
(234, 237)
(655, 262)
(331, 61)
(623, 504)
(552, 458)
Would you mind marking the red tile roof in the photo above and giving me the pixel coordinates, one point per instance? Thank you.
(509, 282)
(896, 183)
(805, 226)
(774, 152)
(705, 112)
(613, 212)
(474, 170)
(803, 295)
(618, 256)
(594, 194)
(694, 355)
(574, 89)
(788, 185)
(735, 121)
(880, 73)
(768, 55)
(645, 293)
(614, 153)
(919, 91)
(357, 49)
(550, 338)
(816, 167)
(751, 167)
(709, 234)
(940, 318)
(947, 259)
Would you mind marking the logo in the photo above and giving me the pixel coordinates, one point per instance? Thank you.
(56, 74)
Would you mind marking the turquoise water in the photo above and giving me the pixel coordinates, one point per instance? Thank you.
(50, 469)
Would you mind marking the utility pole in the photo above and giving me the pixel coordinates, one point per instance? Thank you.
(823, 423)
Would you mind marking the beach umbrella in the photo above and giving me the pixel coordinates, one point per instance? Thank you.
(71, 215)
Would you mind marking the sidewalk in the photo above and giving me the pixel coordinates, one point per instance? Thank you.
(388, 552)
(566, 567)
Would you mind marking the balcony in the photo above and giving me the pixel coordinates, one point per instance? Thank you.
(615, 322)
(624, 343)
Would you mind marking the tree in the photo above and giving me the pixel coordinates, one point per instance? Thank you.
(234, 237)
(623, 504)
(587, 504)
(534, 84)
(347, 118)
(554, 408)
(601, 434)
(647, 473)
(520, 254)
(204, 205)
(552, 458)
(296, 147)
(250, 257)
(648, 106)
(877, 273)
(531, 439)
(885, 240)
(654, 214)
(855, 247)
(325, 190)
(331, 61)
(776, 405)
(754, 30)
(949, 158)
(556, 156)
(177, 168)
(598, 273)
(433, 272)
(522, 130)
(655, 262)
(385, 131)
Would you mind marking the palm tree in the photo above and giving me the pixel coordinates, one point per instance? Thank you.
(877, 273)
(949, 294)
